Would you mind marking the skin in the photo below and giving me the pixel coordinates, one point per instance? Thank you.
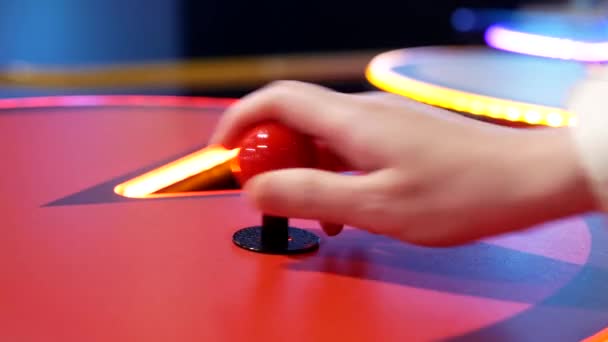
(428, 177)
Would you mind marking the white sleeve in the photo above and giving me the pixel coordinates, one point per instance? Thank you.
(589, 102)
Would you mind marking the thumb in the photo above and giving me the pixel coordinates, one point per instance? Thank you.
(307, 194)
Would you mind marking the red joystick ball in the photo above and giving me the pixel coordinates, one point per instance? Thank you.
(272, 146)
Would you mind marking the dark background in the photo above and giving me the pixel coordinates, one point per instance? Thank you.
(229, 27)
(69, 34)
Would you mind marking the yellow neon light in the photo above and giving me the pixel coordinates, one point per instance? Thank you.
(178, 170)
(379, 72)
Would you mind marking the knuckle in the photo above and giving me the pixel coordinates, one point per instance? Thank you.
(278, 93)
(387, 205)
(404, 185)
(281, 87)
(377, 202)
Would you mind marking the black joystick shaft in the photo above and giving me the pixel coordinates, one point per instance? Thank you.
(274, 232)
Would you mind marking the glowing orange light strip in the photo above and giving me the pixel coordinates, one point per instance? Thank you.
(601, 336)
(178, 170)
(379, 72)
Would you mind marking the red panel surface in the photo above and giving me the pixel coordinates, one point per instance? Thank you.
(79, 268)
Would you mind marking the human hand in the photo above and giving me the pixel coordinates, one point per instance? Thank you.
(428, 176)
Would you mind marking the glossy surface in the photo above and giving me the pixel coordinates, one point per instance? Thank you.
(80, 263)
(271, 146)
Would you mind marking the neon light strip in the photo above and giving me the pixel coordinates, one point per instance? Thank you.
(381, 75)
(601, 336)
(178, 170)
(502, 38)
(113, 101)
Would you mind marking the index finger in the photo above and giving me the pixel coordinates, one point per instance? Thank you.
(306, 108)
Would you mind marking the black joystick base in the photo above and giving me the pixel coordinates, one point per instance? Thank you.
(275, 236)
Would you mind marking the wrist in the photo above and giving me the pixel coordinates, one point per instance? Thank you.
(553, 179)
(588, 100)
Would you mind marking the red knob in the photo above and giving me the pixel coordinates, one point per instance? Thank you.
(272, 146)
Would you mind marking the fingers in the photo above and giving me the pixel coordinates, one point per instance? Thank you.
(307, 108)
(309, 194)
(330, 161)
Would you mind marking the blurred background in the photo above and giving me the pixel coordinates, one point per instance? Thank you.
(220, 47)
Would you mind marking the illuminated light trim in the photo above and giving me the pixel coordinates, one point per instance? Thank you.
(145, 185)
(601, 336)
(113, 101)
(505, 39)
(381, 74)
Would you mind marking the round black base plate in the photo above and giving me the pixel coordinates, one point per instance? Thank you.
(300, 241)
